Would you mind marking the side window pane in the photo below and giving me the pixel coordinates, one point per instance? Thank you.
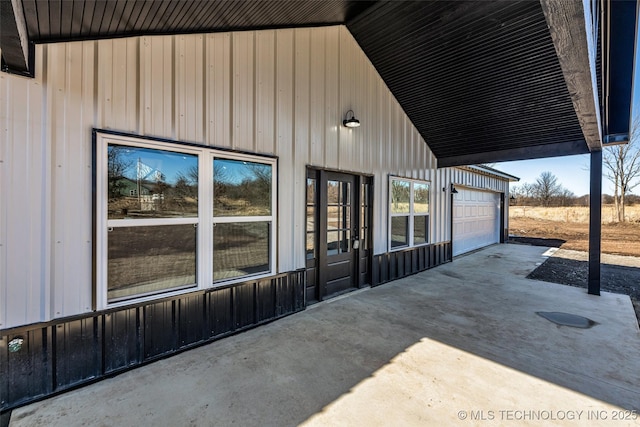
(311, 191)
(333, 239)
(148, 260)
(150, 183)
(311, 217)
(399, 231)
(241, 188)
(364, 216)
(400, 196)
(333, 192)
(420, 198)
(240, 249)
(420, 229)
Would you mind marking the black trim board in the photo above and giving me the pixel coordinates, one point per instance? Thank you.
(67, 353)
(398, 264)
(535, 152)
(17, 52)
(595, 222)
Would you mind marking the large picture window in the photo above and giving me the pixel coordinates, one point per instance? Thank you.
(408, 213)
(154, 232)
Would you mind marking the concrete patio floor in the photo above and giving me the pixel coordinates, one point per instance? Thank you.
(460, 344)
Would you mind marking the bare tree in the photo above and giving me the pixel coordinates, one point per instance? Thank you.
(622, 164)
(566, 197)
(117, 165)
(547, 187)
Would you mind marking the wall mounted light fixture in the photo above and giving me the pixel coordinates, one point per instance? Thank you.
(453, 189)
(350, 122)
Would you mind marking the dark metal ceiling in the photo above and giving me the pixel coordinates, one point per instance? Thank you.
(472, 76)
(480, 80)
(55, 20)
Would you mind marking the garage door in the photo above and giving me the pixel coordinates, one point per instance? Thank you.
(476, 220)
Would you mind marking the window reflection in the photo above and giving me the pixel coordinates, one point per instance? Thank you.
(333, 192)
(150, 183)
(241, 188)
(400, 196)
(149, 260)
(333, 239)
(311, 191)
(420, 229)
(338, 217)
(240, 249)
(399, 231)
(421, 198)
(311, 218)
(364, 216)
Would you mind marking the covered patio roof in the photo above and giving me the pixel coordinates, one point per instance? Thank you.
(482, 81)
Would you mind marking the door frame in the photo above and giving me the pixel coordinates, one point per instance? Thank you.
(363, 256)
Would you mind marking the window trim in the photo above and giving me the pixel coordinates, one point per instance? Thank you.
(410, 215)
(203, 220)
(272, 219)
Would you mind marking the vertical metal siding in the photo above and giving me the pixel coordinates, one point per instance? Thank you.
(218, 84)
(24, 198)
(69, 92)
(279, 92)
(284, 107)
(243, 61)
(301, 145)
(265, 89)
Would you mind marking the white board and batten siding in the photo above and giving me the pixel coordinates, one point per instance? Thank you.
(276, 92)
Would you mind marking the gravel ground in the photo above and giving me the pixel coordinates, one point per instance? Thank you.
(619, 274)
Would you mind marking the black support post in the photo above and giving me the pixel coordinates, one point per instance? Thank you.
(595, 222)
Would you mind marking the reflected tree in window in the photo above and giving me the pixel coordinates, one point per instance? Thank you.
(151, 183)
(400, 196)
(241, 188)
(421, 198)
(117, 165)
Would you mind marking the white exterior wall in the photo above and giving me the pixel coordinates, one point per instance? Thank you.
(277, 92)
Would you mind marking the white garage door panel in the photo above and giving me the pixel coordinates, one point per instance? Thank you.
(476, 220)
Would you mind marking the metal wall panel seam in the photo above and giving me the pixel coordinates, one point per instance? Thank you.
(57, 138)
(77, 189)
(301, 111)
(284, 128)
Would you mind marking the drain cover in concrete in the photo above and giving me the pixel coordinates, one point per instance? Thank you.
(567, 319)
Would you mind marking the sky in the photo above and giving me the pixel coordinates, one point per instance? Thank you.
(572, 171)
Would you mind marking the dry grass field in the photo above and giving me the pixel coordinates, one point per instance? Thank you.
(571, 224)
(579, 214)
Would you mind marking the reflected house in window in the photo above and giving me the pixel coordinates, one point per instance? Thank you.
(125, 187)
(147, 182)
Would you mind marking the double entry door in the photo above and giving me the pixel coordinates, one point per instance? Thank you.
(338, 233)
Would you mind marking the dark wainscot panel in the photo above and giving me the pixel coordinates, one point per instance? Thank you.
(66, 353)
(395, 265)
